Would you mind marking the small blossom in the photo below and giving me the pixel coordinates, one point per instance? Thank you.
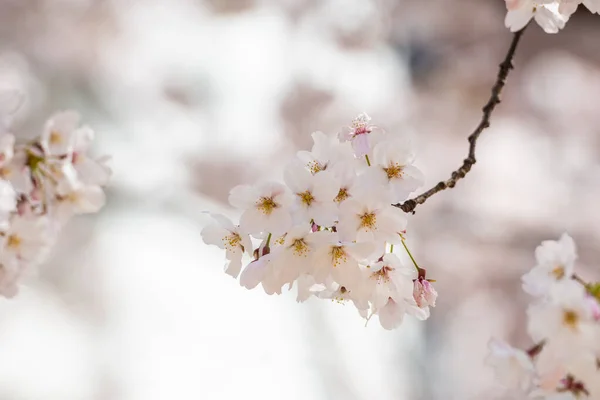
(223, 234)
(424, 293)
(267, 207)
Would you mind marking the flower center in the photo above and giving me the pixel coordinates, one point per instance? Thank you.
(315, 166)
(300, 247)
(382, 275)
(306, 197)
(338, 255)
(570, 318)
(368, 220)
(559, 272)
(342, 195)
(266, 205)
(394, 171)
(55, 138)
(14, 241)
(232, 241)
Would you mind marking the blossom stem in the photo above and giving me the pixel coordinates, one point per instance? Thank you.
(268, 240)
(410, 255)
(409, 205)
(368, 161)
(391, 247)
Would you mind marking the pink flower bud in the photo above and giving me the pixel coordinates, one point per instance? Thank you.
(424, 293)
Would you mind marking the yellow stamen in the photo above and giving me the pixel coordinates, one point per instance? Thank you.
(394, 170)
(266, 205)
(559, 272)
(315, 166)
(342, 195)
(368, 220)
(232, 241)
(300, 248)
(570, 319)
(14, 241)
(306, 197)
(338, 255)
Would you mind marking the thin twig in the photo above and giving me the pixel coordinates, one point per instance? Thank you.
(505, 67)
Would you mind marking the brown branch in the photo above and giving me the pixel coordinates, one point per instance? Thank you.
(505, 67)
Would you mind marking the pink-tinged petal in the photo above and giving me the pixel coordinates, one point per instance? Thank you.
(361, 251)
(325, 186)
(252, 221)
(90, 199)
(254, 273)
(391, 315)
(223, 221)
(360, 144)
(517, 19)
(243, 197)
(324, 214)
(234, 266)
(279, 222)
(213, 234)
(297, 178)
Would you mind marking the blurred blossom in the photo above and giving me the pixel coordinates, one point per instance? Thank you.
(193, 97)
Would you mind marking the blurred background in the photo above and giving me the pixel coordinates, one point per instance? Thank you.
(193, 97)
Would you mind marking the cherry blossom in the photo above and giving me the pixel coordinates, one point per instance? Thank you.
(42, 185)
(551, 15)
(564, 325)
(328, 229)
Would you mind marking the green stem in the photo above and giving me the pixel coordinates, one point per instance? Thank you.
(367, 158)
(268, 240)
(391, 247)
(410, 255)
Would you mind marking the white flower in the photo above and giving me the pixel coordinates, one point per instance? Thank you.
(391, 314)
(340, 294)
(89, 171)
(387, 278)
(58, 136)
(566, 321)
(513, 367)
(18, 173)
(255, 272)
(545, 12)
(266, 205)
(314, 194)
(26, 241)
(392, 167)
(327, 152)
(358, 134)
(295, 255)
(369, 217)
(339, 260)
(224, 234)
(555, 265)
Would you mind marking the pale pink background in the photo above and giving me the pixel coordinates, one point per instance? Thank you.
(193, 97)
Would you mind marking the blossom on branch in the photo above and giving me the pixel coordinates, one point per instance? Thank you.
(331, 229)
(564, 322)
(551, 15)
(43, 183)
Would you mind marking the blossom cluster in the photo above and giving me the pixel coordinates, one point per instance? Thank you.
(331, 228)
(551, 15)
(564, 324)
(43, 183)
